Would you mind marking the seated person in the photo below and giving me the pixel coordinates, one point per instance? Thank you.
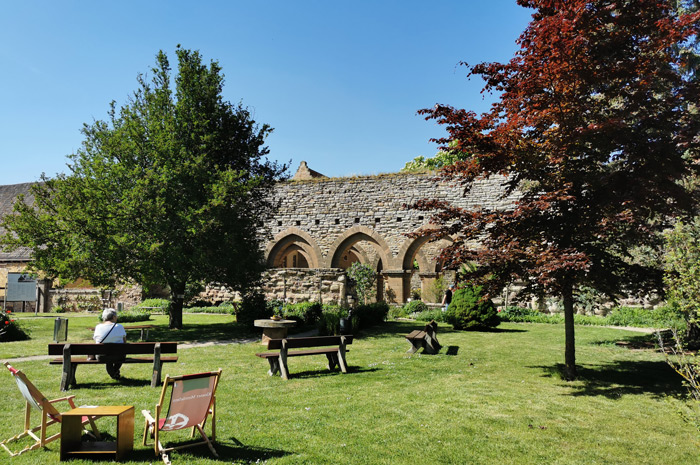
(110, 332)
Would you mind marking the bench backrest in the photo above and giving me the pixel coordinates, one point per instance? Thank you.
(431, 327)
(113, 349)
(314, 341)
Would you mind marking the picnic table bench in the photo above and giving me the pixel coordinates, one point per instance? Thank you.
(143, 328)
(316, 345)
(425, 339)
(73, 355)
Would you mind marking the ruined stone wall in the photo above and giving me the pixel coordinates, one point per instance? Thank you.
(327, 208)
(294, 285)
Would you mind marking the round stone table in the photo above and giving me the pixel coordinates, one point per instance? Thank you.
(273, 329)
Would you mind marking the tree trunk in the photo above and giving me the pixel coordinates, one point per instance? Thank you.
(570, 345)
(177, 296)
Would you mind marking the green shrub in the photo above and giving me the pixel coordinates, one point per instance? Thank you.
(329, 321)
(253, 307)
(306, 313)
(664, 317)
(10, 329)
(415, 306)
(469, 310)
(397, 312)
(369, 315)
(431, 314)
(132, 315)
(209, 309)
(155, 305)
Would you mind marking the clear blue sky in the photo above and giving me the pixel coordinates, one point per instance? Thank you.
(340, 82)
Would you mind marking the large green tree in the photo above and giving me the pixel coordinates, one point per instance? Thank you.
(593, 127)
(171, 189)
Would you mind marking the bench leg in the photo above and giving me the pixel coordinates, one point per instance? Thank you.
(428, 347)
(341, 356)
(274, 366)
(157, 367)
(332, 361)
(284, 371)
(415, 345)
(68, 374)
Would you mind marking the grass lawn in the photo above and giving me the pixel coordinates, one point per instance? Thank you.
(488, 397)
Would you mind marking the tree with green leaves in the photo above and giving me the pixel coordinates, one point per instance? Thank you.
(171, 189)
(364, 278)
(440, 160)
(594, 128)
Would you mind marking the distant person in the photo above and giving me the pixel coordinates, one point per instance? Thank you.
(447, 298)
(110, 332)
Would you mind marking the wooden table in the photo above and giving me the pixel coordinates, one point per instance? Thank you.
(72, 429)
(141, 327)
(273, 329)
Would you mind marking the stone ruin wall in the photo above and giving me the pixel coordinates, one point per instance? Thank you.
(326, 208)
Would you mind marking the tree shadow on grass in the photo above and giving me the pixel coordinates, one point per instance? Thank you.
(624, 377)
(123, 381)
(639, 342)
(230, 451)
(240, 453)
(325, 373)
(203, 333)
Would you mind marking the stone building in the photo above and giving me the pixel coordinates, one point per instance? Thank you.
(325, 224)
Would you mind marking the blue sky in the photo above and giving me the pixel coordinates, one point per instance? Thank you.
(340, 82)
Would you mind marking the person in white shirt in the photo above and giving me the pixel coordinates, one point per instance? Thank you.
(110, 332)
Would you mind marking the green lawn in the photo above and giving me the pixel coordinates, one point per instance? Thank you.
(488, 397)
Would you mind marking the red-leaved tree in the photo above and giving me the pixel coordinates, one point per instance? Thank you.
(595, 125)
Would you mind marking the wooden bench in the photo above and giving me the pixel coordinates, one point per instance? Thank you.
(73, 355)
(425, 339)
(335, 354)
(143, 328)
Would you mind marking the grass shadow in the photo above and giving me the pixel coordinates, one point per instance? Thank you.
(624, 377)
(324, 373)
(639, 342)
(203, 333)
(452, 350)
(240, 453)
(123, 381)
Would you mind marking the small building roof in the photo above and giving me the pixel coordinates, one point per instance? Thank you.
(8, 195)
(305, 173)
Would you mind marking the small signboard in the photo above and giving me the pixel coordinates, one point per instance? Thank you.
(20, 288)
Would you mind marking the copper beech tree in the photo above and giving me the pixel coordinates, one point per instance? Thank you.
(594, 124)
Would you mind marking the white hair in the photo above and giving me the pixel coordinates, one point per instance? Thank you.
(109, 314)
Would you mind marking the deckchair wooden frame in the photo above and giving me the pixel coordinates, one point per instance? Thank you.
(49, 416)
(152, 424)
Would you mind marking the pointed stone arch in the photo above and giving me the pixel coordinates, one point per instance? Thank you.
(429, 267)
(359, 234)
(293, 239)
(413, 249)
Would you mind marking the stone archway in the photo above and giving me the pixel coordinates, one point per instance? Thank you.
(425, 253)
(293, 243)
(369, 247)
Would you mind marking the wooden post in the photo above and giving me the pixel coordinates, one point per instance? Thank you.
(157, 366)
(68, 376)
(341, 355)
(284, 372)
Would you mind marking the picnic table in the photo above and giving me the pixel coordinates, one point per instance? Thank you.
(143, 328)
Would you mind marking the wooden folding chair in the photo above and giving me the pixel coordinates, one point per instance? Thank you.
(49, 414)
(192, 401)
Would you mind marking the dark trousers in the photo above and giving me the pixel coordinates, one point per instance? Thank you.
(113, 363)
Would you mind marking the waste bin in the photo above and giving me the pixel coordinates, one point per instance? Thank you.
(60, 330)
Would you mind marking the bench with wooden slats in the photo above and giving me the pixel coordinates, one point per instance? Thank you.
(316, 345)
(425, 339)
(76, 354)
